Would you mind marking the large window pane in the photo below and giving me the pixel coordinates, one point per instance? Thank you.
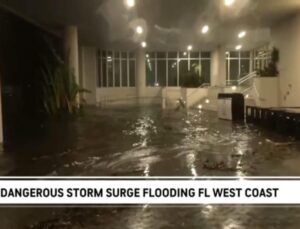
(150, 73)
(205, 54)
(172, 73)
(194, 55)
(195, 67)
(183, 71)
(161, 55)
(162, 72)
(110, 73)
(99, 81)
(124, 73)
(205, 71)
(172, 55)
(234, 54)
(117, 73)
(183, 55)
(104, 73)
(245, 67)
(234, 70)
(132, 73)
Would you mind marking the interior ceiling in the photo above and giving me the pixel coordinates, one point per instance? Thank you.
(168, 24)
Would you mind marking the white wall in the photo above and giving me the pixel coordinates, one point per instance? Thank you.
(267, 90)
(286, 37)
(128, 96)
(89, 73)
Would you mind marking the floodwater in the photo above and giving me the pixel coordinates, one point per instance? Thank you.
(151, 142)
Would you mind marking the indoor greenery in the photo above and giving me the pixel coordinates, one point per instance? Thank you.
(61, 93)
(193, 78)
(271, 70)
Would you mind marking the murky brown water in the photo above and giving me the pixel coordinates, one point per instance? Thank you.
(149, 142)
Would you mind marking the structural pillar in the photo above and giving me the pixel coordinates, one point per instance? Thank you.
(218, 67)
(141, 74)
(71, 49)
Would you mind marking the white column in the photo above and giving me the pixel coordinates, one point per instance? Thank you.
(140, 73)
(218, 67)
(71, 49)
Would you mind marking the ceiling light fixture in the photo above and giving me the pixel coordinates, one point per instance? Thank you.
(190, 47)
(139, 30)
(205, 29)
(229, 2)
(238, 47)
(130, 3)
(242, 34)
(144, 44)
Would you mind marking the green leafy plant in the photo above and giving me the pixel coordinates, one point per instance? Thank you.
(271, 70)
(192, 80)
(60, 90)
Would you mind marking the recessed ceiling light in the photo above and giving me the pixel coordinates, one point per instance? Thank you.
(147, 55)
(130, 3)
(139, 29)
(205, 29)
(144, 44)
(190, 47)
(238, 47)
(185, 53)
(229, 2)
(242, 34)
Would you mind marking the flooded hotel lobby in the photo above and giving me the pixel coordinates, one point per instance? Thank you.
(148, 141)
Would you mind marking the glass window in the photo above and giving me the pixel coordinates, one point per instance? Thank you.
(172, 55)
(234, 54)
(124, 55)
(104, 76)
(172, 73)
(151, 54)
(110, 73)
(183, 71)
(131, 55)
(237, 65)
(124, 73)
(194, 55)
(99, 82)
(234, 69)
(150, 73)
(132, 73)
(161, 55)
(116, 69)
(245, 67)
(117, 73)
(205, 71)
(162, 72)
(183, 55)
(245, 54)
(195, 67)
(117, 55)
(205, 54)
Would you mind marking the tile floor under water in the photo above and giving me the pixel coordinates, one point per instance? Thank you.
(151, 142)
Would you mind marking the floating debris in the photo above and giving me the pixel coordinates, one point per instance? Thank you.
(279, 143)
